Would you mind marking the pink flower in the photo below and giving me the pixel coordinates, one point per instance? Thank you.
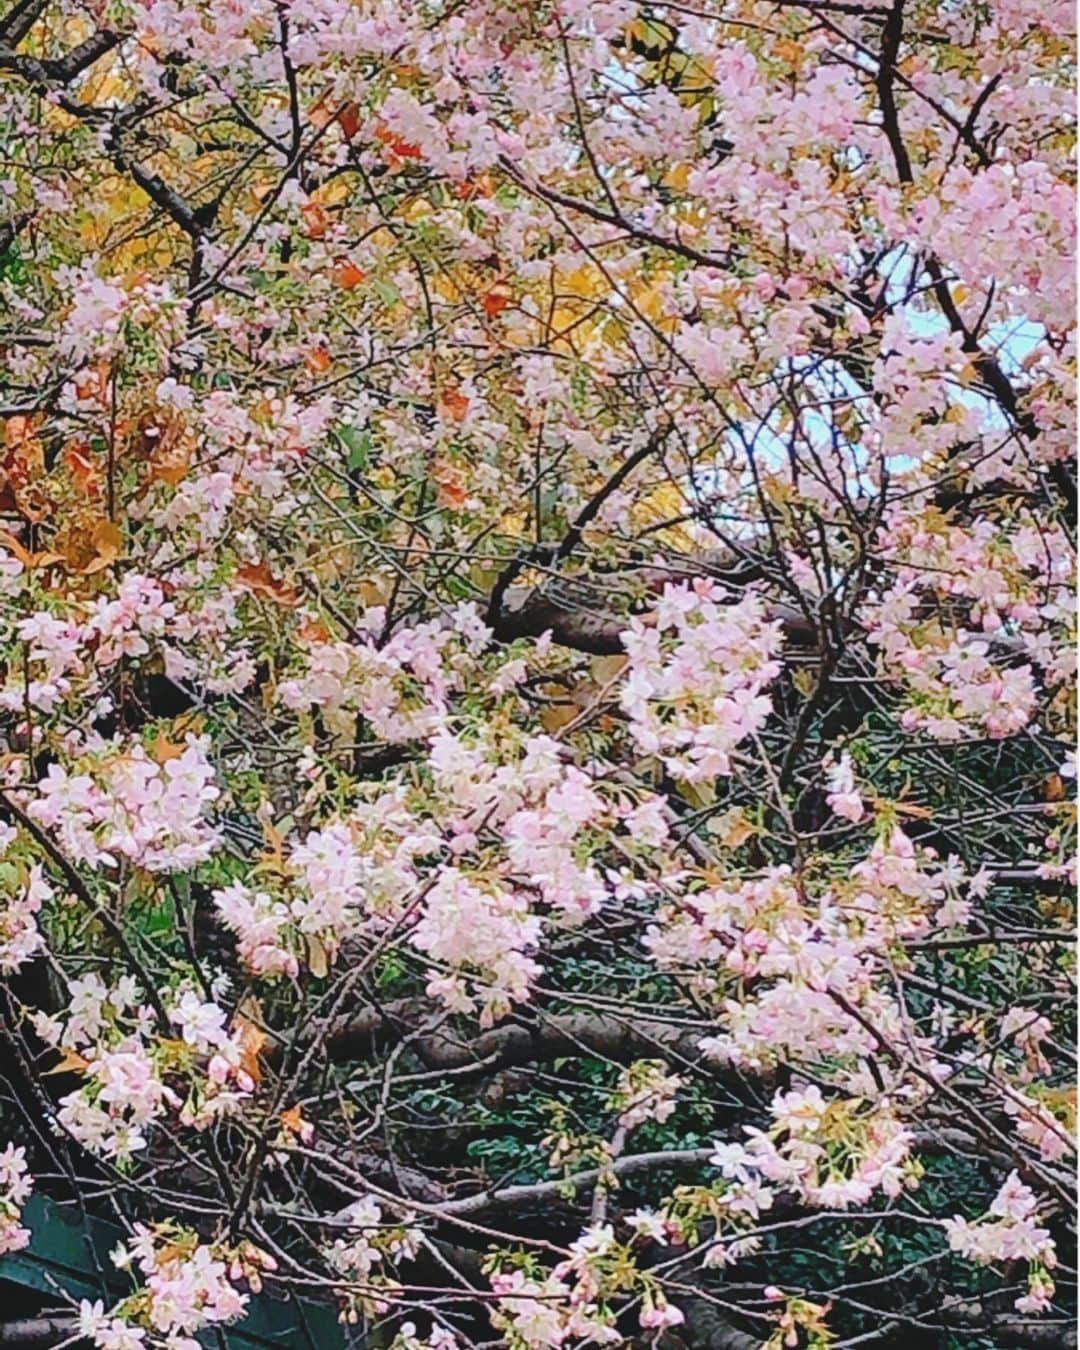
(657, 1313)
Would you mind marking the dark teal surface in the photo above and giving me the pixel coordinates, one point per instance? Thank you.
(69, 1255)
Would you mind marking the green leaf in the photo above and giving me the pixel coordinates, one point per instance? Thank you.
(358, 444)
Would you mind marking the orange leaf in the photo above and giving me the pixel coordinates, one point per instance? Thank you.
(483, 185)
(257, 578)
(92, 382)
(348, 275)
(316, 220)
(349, 120)
(70, 1062)
(317, 360)
(452, 491)
(18, 430)
(915, 812)
(164, 749)
(107, 541)
(29, 560)
(497, 299)
(293, 1120)
(319, 114)
(396, 144)
(252, 1043)
(313, 630)
(1054, 787)
(454, 404)
(24, 455)
(79, 461)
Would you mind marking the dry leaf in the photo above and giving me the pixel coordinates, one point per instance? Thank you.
(80, 464)
(293, 1121)
(253, 1041)
(107, 541)
(453, 404)
(497, 298)
(397, 146)
(70, 1062)
(349, 120)
(347, 275)
(316, 220)
(164, 749)
(259, 580)
(318, 960)
(29, 560)
(1054, 787)
(732, 828)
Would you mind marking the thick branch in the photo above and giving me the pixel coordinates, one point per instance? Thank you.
(37, 1333)
(510, 1197)
(607, 1036)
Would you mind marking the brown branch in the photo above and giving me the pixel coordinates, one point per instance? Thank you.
(19, 19)
(37, 1333)
(510, 1197)
(606, 1036)
(555, 198)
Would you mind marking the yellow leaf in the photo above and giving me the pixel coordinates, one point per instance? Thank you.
(318, 961)
(587, 282)
(107, 541)
(699, 795)
(554, 716)
(70, 1062)
(804, 681)
(29, 560)
(165, 749)
(607, 668)
(733, 827)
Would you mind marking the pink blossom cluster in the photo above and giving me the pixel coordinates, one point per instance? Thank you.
(843, 796)
(832, 1154)
(645, 1091)
(439, 1338)
(372, 1246)
(786, 299)
(187, 1287)
(494, 846)
(15, 1187)
(400, 686)
(695, 687)
(771, 954)
(483, 932)
(1010, 1232)
(966, 608)
(1038, 1126)
(72, 647)
(1028, 1029)
(134, 1073)
(536, 1311)
(336, 882)
(122, 804)
(102, 313)
(263, 927)
(572, 1302)
(20, 937)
